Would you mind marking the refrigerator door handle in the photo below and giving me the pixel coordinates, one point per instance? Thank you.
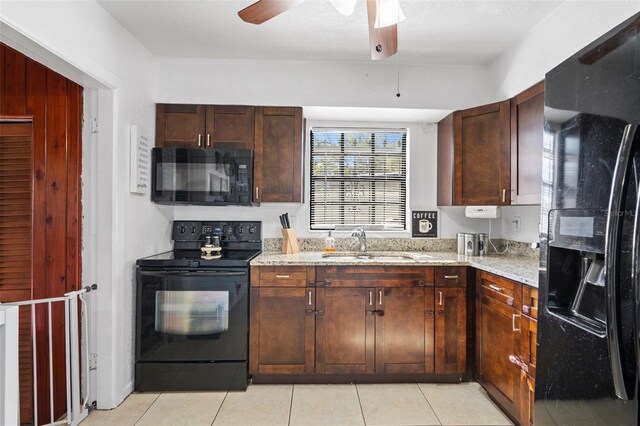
(612, 246)
(635, 274)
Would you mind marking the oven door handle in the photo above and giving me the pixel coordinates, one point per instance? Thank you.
(195, 274)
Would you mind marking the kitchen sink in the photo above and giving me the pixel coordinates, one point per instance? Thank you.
(349, 256)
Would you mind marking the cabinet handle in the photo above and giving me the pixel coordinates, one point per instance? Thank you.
(370, 297)
(513, 322)
(504, 195)
(310, 291)
(495, 288)
(257, 197)
(451, 277)
(380, 297)
(208, 140)
(199, 139)
(440, 298)
(282, 276)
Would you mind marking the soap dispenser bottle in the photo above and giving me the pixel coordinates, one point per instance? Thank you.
(329, 243)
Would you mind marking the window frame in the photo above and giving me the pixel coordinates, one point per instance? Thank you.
(403, 179)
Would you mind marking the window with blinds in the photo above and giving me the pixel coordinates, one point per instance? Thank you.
(359, 178)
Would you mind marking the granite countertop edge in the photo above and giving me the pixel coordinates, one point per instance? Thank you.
(522, 269)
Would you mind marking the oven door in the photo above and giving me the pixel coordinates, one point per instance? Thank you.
(192, 316)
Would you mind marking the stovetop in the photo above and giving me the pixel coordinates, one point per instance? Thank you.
(240, 242)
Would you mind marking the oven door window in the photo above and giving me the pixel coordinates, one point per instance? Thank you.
(192, 312)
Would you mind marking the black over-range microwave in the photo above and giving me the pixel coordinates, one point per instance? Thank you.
(202, 176)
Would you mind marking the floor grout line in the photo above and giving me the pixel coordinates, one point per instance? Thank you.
(364, 421)
(429, 403)
(220, 407)
(293, 387)
(145, 411)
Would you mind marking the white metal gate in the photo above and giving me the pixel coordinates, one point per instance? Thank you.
(76, 332)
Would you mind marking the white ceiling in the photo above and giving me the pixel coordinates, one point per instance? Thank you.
(380, 115)
(464, 32)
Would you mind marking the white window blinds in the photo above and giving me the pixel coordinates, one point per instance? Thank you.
(359, 178)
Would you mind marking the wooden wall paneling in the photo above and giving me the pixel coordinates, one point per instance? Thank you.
(74, 159)
(56, 223)
(13, 98)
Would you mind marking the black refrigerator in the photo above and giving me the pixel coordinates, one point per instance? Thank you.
(587, 354)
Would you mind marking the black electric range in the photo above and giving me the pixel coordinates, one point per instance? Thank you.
(192, 317)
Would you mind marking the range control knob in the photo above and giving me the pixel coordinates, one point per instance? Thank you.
(240, 230)
(252, 229)
(226, 229)
(183, 229)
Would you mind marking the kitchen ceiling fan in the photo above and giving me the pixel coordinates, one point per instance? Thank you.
(383, 17)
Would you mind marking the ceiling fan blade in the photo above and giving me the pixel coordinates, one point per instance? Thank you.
(383, 41)
(263, 10)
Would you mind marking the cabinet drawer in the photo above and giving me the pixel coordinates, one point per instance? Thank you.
(376, 276)
(451, 276)
(281, 276)
(501, 289)
(530, 301)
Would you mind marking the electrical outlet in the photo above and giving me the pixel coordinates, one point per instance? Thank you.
(93, 361)
(516, 223)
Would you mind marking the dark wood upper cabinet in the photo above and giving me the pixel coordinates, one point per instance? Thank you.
(277, 162)
(230, 127)
(527, 126)
(204, 126)
(474, 156)
(181, 126)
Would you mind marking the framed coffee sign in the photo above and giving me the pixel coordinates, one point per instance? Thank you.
(424, 224)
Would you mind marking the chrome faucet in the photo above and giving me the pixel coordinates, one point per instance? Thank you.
(362, 238)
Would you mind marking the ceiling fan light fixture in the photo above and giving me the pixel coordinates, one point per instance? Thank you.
(388, 13)
(345, 7)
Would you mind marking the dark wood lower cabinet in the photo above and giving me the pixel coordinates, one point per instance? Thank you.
(450, 330)
(405, 333)
(282, 330)
(345, 331)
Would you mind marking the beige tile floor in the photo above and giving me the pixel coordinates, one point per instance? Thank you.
(381, 404)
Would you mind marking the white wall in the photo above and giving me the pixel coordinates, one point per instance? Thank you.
(83, 42)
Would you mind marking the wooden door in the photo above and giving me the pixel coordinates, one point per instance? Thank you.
(482, 155)
(451, 330)
(277, 162)
(527, 126)
(282, 330)
(497, 341)
(345, 331)
(16, 236)
(405, 330)
(180, 126)
(230, 127)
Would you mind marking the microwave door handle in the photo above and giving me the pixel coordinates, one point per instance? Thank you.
(612, 246)
(636, 275)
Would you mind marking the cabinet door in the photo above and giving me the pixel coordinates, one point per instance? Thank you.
(497, 341)
(527, 125)
(404, 331)
(180, 126)
(527, 357)
(346, 331)
(450, 330)
(482, 155)
(277, 162)
(230, 127)
(282, 330)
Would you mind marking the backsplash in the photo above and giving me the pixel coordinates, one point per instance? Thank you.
(400, 244)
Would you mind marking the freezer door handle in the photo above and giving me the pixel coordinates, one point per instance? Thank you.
(635, 273)
(612, 246)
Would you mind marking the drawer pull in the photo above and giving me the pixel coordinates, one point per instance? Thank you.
(513, 322)
(370, 297)
(310, 293)
(380, 297)
(282, 276)
(451, 277)
(440, 298)
(496, 288)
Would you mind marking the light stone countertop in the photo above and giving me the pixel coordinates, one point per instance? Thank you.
(518, 268)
